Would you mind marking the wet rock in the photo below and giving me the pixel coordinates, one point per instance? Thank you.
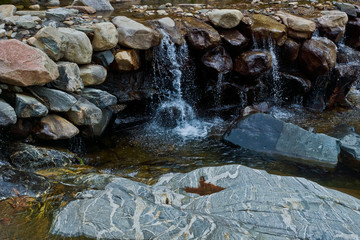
(170, 27)
(225, 18)
(29, 157)
(200, 35)
(54, 127)
(350, 145)
(348, 8)
(245, 208)
(233, 39)
(93, 74)
(295, 84)
(29, 107)
(353, 33)
(98, 129)
(7, 114)
(22, 65)
(105, 36)
(78, 46)
(346, 54)
(104, 58)
(100, 98)
(7, 10)
(253, 63)
(265, 27)
(98, 5)
(297, 27)
(60, 14)
(318, 55)
(26, 183)
(69, 79)
(56, 100)
(265, 134)
(290, 51)
(331, 24)
(127, 60)
(218, 59)
(26, 21)
(85, 113)
(135, 35)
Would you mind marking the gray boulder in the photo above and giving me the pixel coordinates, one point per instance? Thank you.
(69, 79)
(99, 129)
(58, 101)
(7, 114)
(85, 113)
(98, 5)
(29, 107)
(252, 205)
(60, 14)
(27, 21)
(265, 134)
(100, 98)
(350, 146)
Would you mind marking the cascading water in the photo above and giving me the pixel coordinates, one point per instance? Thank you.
(275, 74)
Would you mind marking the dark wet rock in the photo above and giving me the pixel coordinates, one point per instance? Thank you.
(60, 14)
(295, 84)
(318, 55)
(287, 208)
(353, 33)
(56, 100)
(218, 59)
(85, 113)
(170, 27)
(100, 98)
(253, 63)
(98, 129)
(350, 146)
(98, 5)
(7, 114)
(297, 27)
(346, 54)
(331, 24)
(290, 51)
(265, 27)
(265, 134)
(25, 183)
(348, 8)
(200, 35)
(69, 79)
(54, 127)
(29, 157)
(233, 39)
(104, 58)
(29, 107)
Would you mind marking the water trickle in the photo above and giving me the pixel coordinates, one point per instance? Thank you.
(219, 84)
(275, 74)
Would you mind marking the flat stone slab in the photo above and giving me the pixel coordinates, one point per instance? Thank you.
(253, 205)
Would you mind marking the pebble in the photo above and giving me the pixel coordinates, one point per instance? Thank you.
(38, 27)
(162, 12)
(8, 34)
(69, 23)
(13, 35)
(35, 7)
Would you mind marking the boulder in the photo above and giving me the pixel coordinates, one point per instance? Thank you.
(7, 10)
(54, 127)
(331, 24)
(7, 114)
(98, 129)
(170, 27)
(26, 183)
(22, 65)
(347, 8)
(200, 36)
(350, 146)
(253, 63)
(104, 58)
(318, 55)
(297, 27)
(295, 84)
(265, 27)
(85, 113)
(218, 59)
(100, 98)
(241, 203)
(98, 5)
(29, 157)
(60, 14)
(135, 35)
(69, 79)
(233, 39)
(92, 74)
(78, 46)
(27, 21)
(127, 60)
(290, 51)
(225, 18)
(105, 36)
(56, 100)
(29, 107)
(353, 33)
(265, 134)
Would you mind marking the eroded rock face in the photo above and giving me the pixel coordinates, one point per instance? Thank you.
(253, 63)
(29, 107)
(98, 5)
(297, 27)
(225, 18)
(127, 60)
(287, 208)
(265, 27)
(93, 74)
(200, 35)
(105, 36)
(135, 35)
(331, 24)
(7, 114)
(54, 127)
(22, 65)
(318, 55)
(218, 59)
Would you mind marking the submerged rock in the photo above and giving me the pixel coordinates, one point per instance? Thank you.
(252, 204)
(225, 18)
(265, 134)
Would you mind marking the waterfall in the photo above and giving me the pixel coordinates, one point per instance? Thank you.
(275, 75)
(219, 84)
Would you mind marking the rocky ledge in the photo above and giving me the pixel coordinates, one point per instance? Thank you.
(236, 202)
